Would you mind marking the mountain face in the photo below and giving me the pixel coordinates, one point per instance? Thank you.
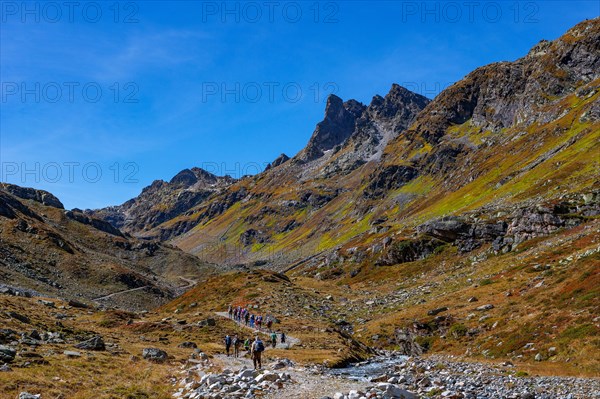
(509, 139)
(384, 119)
(352, 134)
(71, 255)
(162, 201)
(335, 128)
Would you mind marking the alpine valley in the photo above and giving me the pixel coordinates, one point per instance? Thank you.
(462, 231)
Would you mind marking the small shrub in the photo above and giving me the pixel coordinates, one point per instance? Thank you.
(424, 342)
(458, 330)
(433, 392)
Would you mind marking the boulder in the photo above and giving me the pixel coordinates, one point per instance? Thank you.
(207, 322)
(93, 344)
(247, 373)
(77, 304)
(7, 354)
(271, 377)
(187, 344)
(394, 392)
(434, 312)
(18, 316)
(155, 355)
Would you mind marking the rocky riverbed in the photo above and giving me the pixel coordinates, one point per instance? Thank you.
(438, 377)
(385, 377)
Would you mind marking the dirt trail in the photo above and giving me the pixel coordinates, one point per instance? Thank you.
(190, 283)
(244, 360)
(289, 340)
(120, 292)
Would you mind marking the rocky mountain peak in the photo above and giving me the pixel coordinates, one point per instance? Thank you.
(356, 108)
(333, 107)
(194, 176)
(282, 158)
(336, 127)
(399, 102)
(185, 178)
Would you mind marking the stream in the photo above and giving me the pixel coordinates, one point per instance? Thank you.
(365, 371)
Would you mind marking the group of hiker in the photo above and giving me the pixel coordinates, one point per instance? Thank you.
(243, 315)
(255, 348)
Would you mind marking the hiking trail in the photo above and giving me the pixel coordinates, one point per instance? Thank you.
(289, 340)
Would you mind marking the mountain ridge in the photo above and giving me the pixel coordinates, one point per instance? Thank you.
(411, 155)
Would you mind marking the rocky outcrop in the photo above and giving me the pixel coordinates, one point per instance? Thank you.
(185, 178)
(98, 224)
(408, 251)
(10, 207)
(506, 232)
(383, 120)
(390, 178)
(252, 236)
(280, 160)
(41, 196)
(406, 343)
(336, 127)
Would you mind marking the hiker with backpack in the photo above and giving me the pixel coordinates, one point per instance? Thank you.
(273, 339)
(247, 345)
(258, 347)
(227, 344)
(236, 346)
(282, 337)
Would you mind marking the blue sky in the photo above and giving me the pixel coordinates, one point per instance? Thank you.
(99, 99)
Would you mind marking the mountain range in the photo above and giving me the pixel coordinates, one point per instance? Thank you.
(502, 158)
(507, 139)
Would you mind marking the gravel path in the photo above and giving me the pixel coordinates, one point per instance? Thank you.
(289, 340)
(313, 386)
